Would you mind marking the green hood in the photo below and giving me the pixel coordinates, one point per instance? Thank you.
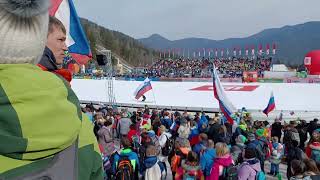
(39, 115)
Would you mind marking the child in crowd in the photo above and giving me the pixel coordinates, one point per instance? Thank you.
(190, 168)
(276, 155)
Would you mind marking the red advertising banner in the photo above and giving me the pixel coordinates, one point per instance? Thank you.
(228, 88)
(250, 76)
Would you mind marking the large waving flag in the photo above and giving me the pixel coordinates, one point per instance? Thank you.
(143, 88)
(271, 105)
(76, 41)
(225, 105)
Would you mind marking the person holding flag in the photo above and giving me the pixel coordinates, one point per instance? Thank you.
(142, 89)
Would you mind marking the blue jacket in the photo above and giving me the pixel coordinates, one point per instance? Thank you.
(132, 156)
(198, 147)
(194, 132)
(206, 160)
(203, 120)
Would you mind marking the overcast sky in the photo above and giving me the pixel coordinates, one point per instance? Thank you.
(213, 19)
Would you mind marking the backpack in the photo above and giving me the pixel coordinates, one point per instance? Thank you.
(168, 147)
(265, 149)
(260, 175)
(315, 155)
(292, 136)
(107, 163)
(262, 149)
(190, 175)
(124, 169)
(156, 143)
(230, 173)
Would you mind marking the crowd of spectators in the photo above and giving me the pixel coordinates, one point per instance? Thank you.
(163, 144)
(202, 68)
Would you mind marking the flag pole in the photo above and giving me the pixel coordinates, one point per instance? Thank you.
(154, 97)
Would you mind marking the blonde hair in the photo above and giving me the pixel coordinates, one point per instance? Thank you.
(162, 129)
(222, 149)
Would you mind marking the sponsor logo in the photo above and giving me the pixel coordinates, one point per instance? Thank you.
(227, 88)
(307, 61)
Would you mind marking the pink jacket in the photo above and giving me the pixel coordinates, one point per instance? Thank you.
(219, 164)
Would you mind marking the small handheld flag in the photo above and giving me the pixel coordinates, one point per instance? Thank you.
(271, 105)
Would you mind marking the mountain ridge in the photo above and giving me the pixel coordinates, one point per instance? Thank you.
(292, 41)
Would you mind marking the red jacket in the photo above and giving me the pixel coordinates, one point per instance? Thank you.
(314, 145)
(132, 133)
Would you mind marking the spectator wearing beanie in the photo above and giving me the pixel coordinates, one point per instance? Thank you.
(251, 165)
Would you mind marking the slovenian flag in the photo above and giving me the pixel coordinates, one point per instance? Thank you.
(225, 105)
(77, 43)
(143, 88)
(271, 105)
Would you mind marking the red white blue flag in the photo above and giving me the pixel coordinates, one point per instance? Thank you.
(268, 49)
(271, 105)
(225, 104)
(76, 41)
(143, 88)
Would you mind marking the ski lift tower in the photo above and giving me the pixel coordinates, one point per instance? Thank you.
(109, 77)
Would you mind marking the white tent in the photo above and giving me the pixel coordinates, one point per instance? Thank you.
(279, 68)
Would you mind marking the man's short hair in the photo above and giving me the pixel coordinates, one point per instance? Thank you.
(55, 23)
